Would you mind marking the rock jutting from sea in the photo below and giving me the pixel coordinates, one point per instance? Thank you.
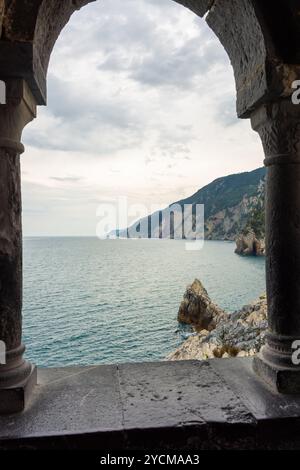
(218, 334)
(250, 245)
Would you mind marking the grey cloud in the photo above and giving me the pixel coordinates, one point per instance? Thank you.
(66, 179)
(65, 101)
(151, 57)
(116, 24)
(132, 41)
(181, 67)
(174, 143)
(102, 125)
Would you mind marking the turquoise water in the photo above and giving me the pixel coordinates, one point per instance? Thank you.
(90, 301)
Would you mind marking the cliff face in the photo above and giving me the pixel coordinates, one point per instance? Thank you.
(247, 215)
(232, 205)
(251, 240)
(239, 334)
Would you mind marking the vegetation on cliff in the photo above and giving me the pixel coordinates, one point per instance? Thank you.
(256, 221)
(251, 240)
(233, 205)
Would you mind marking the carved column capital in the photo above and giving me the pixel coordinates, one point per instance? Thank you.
(19, 110)
(278, 125)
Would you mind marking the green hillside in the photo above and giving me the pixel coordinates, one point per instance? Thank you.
(233, 205)
(227, 191)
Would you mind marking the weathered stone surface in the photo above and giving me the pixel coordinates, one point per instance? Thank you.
(283, 25)
(241, 26)
(260, 399)
(13, 117)
(152, 402)
(17, 375)
(1, 15)
(15, 399)
(10, 249)
(249, 69)
(155, 405)
(218, 404)
(197, 308)
(30, 30)
(283, 380)
(263, 48)
(70, 401)
(278, 126)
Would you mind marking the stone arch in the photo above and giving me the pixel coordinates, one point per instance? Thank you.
(29, 30)
(263, 48)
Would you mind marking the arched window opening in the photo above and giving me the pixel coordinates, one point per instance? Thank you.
(141, 106)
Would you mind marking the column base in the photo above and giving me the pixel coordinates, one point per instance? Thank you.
(274, 364)
(13, 399)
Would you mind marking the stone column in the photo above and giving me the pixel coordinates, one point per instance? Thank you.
(17, 376)
(279, 127)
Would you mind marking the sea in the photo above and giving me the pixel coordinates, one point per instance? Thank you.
(89, 301)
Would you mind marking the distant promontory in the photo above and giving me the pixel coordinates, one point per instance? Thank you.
(234, 211)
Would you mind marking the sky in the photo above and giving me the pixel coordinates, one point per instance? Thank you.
(141, 105)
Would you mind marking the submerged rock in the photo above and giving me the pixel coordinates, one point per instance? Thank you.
(241, 333)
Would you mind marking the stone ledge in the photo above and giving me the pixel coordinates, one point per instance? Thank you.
(166, 405)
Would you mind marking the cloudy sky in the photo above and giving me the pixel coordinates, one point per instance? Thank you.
(141, 103)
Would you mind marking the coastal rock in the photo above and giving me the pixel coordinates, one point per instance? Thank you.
(198, 310)
(250, 245)
(239, 334)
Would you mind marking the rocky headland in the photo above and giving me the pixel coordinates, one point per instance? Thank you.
(234, 205)
(216, 333)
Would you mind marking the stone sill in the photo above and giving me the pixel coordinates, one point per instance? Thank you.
(165, 405)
